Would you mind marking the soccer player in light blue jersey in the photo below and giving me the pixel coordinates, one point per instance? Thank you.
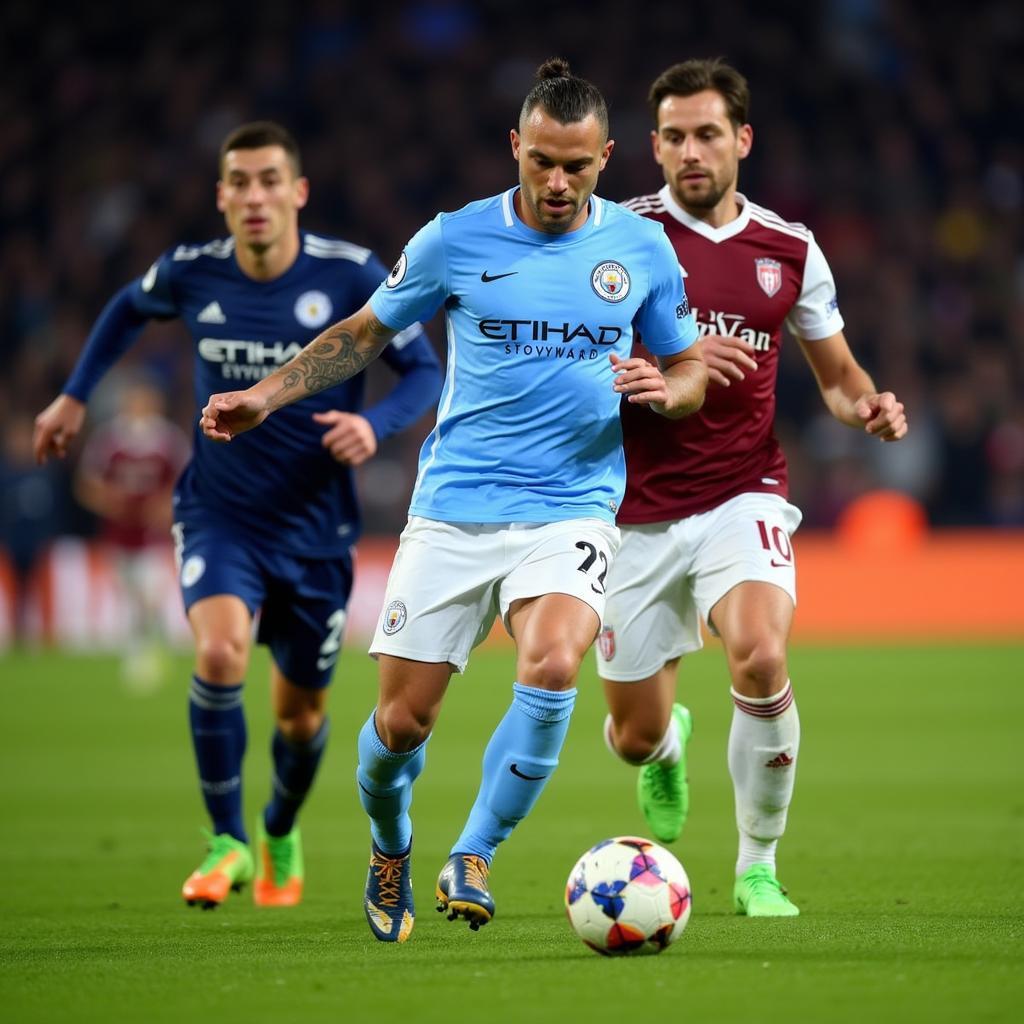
(278, 540)
(513, 513)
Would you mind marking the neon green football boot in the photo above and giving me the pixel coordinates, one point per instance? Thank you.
(758, 893)
(663, 790)
(227, 867)
(279, 870)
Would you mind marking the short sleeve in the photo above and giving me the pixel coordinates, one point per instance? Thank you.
(664, 320)
(417, 284)
(815, 314)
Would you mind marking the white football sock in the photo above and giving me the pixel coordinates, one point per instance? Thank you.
(763, 745)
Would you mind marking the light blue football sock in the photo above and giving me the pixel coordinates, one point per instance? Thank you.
(520, 757)
(385, 788)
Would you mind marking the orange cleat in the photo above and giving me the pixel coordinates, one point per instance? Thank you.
(227, 867)
(279, 870)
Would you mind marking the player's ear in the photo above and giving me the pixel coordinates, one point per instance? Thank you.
(745, 134)
(606, 152)
(656, 145)
(301, 192)
(221, 201)
(513, 137)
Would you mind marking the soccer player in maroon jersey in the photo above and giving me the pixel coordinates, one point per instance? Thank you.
(126, 477)
(705, 522)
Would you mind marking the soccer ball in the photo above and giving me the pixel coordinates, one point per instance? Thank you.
(627, 895)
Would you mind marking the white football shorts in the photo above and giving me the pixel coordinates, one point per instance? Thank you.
(669, 576)
(449, 580)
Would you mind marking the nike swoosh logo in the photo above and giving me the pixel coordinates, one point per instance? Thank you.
(514, 769)
(487, 278)
(376, 796)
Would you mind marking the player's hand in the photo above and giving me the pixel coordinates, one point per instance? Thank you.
(727, 358)
(227, 415)
(56, 427)
(640, 381)
(882, 416)
(351, 440)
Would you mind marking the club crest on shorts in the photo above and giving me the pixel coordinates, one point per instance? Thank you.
(610, 280)
(313, 309)
(769, 275)
(395, 616)
(193, 568)
(606, 643)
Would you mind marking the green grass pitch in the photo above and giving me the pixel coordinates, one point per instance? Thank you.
(905, 852)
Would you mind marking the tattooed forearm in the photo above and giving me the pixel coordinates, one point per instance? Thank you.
(337, 354)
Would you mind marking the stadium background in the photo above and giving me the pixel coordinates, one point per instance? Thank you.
(892, 129)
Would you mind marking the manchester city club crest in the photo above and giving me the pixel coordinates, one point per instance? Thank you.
(313, 309)
(610, 280)
(395, 616)
(769, 275)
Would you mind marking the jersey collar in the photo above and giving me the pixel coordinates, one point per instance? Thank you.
(722, 234)
(514, 221)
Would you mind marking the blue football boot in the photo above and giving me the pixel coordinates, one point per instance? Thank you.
(388, 900)
(462, 889)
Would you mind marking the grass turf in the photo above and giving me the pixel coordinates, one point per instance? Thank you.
(905, 844)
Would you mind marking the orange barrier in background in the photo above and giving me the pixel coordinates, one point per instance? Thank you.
(873, 579)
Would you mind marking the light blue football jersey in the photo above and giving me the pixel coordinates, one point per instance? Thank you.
(528, 423)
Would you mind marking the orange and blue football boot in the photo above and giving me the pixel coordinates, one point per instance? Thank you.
(388, 899)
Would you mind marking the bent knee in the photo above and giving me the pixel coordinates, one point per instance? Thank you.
(554, 669)
(400, 727)
(761, 670)
(222, 659)
(300, 726)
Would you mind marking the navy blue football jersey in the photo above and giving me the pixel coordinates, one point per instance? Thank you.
(279, 483)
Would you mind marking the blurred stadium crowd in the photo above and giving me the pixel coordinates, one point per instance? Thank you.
(892, 129)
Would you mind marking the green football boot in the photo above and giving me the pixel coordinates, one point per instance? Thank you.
(227, 867)
(758, 893)
(279, 868)
(663, 790)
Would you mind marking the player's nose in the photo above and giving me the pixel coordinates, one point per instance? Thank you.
(558, 181)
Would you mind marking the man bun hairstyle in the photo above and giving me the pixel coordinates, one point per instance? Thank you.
(256, 135)
(563, 96)
(693, 76)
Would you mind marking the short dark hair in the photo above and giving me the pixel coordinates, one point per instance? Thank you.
(693, 76)
(565, 97)
(256, 135)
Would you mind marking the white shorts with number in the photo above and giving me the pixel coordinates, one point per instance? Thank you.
(449, 580)
(668, 576)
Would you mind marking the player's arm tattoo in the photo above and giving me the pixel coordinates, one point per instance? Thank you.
(336, 355)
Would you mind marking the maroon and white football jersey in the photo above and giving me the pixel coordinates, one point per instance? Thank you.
(139, 459)
(746, 278)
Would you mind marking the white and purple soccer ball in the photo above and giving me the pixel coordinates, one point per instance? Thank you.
(626, 896)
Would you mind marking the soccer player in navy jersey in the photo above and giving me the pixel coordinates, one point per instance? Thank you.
(519, 482)
(278, 539)
(705, 522)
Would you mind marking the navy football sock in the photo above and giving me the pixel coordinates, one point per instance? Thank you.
(295, 766)
(217, 720)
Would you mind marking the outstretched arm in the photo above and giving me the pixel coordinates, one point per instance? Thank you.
(338, 353)
(850, 393)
